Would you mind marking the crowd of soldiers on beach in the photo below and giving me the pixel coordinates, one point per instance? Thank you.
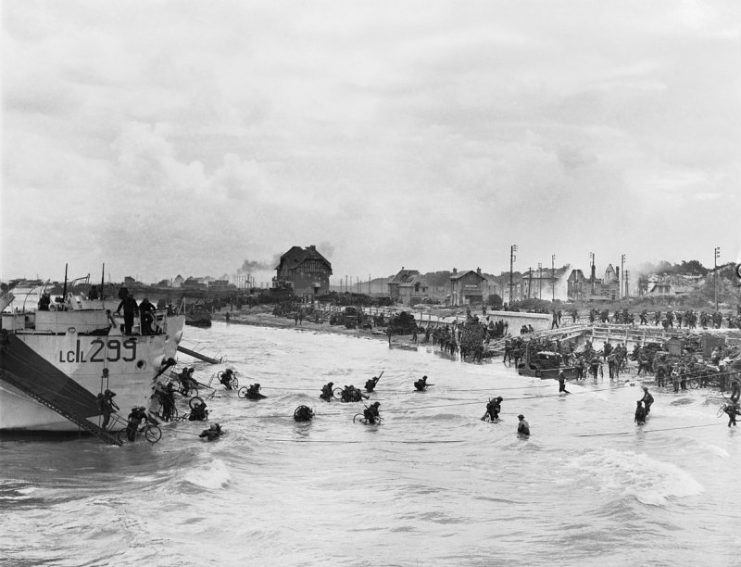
(471, 338)
(670, 319)
(680, 368)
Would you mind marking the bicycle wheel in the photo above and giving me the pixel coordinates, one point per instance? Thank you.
(242, 393)
(337, 392)
(358, 415)
(195, 399)
(234, 383)
(152, 433)
(693, 383)
(721, 410)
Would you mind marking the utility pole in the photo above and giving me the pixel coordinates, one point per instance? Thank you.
(553, 277)
(529, 281)
(715, 272)
(627, 282)
(591, 270)
(621, 279)
(512, 250)
(540, 280)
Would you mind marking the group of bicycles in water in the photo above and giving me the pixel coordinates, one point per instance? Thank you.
(141, 423)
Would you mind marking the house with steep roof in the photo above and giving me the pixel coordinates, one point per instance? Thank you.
(577, 286)
(408, 287)
(304, 270)
(467, 287)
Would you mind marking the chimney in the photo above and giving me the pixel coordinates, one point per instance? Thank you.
(593, 274)
(478, 271)
(617, 273)
(312, 247)
(455, 271)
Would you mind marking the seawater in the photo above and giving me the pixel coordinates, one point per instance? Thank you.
(432, 485)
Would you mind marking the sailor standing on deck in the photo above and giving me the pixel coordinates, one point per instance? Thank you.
(128, 302)
(146, 316)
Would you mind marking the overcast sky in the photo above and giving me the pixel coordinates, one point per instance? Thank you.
(190, 136)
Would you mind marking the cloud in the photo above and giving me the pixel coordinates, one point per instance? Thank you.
(186, 137)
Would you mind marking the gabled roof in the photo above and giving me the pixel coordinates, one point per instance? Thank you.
(459, 275)
(297, 256)
(404, 277)
(414, 281)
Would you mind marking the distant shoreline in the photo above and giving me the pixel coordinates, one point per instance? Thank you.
(280, 322)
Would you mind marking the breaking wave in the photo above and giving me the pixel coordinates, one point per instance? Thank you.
(648, 480)
(213, 476)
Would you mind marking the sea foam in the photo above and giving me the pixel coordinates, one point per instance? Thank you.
(633, 474)
(212, 476)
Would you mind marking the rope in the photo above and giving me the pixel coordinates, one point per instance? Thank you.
(403, 391)
(523, 398)
(648, 430)
(366, 442)
(286, 416)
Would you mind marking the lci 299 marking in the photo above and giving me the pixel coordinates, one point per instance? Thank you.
(111, 350)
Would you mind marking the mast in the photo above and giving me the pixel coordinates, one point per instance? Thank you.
(64, 289)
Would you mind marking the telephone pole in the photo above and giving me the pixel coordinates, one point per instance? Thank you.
(512, 250)
(715, 274)
(540, 280)
(621, 279)
(627, 284)
(553, 276)
(591, 270)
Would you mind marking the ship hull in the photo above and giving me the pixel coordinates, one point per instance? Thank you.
(132, 362)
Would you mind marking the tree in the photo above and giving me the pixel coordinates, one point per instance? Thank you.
(693, 267)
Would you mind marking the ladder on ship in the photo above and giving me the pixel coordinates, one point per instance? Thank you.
(41, 381)
(198, 355)
(81, 422)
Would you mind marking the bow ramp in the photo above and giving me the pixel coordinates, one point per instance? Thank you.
(21, 367)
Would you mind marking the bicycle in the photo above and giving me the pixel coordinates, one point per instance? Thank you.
(151, 432)
(359, 417)
(231, 384)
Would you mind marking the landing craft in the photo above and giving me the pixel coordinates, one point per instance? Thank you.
(52, 363)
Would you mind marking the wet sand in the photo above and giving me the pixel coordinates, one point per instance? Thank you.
(263, 319)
